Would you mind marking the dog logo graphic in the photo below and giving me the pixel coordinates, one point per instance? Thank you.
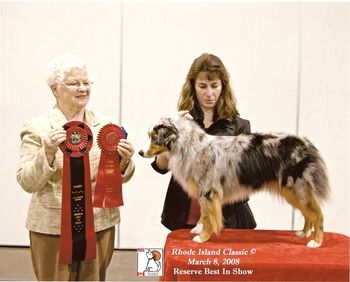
(150, 262)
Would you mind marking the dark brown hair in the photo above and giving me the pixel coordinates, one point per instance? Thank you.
(213, 68)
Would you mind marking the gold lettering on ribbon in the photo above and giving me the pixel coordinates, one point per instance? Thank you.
(78, 210)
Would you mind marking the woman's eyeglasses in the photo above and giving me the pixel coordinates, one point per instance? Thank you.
(77, 84)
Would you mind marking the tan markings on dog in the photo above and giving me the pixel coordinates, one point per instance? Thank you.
(311, 211)
(211, 215)
(155, 150)
(193, 190)
(151, 134)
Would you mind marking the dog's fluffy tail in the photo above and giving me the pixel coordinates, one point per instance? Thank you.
(316, 176)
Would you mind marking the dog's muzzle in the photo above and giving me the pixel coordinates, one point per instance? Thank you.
(142, 153)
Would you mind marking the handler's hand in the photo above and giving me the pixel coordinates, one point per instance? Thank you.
(185, 114)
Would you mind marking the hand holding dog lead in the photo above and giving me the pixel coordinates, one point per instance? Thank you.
(162, 161)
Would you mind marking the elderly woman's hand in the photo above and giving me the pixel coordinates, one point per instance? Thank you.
(51, 142)
(126, 151)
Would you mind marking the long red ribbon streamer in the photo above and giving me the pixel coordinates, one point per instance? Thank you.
(66, 242)
(89, 215)
(108, 190)
(75, 246)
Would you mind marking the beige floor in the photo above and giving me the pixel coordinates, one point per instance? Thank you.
(15, 264)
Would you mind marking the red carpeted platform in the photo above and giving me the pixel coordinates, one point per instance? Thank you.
(255, 255)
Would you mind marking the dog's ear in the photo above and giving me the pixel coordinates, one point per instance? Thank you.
(166, 133)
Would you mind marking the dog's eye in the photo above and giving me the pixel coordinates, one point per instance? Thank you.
(154, 138)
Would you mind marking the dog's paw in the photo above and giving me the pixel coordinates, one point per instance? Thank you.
(197, 229)
(197, 239)
(302, 233)
(313, 244)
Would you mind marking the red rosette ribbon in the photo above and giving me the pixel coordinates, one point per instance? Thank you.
(108, 190)
(78, 237)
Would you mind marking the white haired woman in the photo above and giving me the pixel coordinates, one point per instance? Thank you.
(41, 168)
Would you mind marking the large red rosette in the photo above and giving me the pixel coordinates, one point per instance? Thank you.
(108, 190)
(78, 238)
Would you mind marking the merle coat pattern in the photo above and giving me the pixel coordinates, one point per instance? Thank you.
(224, 169)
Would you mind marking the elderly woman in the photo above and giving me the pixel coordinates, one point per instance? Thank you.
(40, 173)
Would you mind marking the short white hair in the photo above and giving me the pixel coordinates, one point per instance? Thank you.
(60, 65)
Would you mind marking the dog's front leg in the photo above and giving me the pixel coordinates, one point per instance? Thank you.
(211, 216)
(198, 228)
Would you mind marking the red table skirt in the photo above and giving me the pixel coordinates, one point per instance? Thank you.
(255, 255)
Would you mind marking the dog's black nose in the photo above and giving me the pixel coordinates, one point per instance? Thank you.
(141, 153)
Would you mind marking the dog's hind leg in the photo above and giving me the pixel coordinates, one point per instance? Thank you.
(211, 216)
(312, 214)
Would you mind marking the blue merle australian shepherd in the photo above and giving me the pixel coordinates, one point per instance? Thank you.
(225, 169)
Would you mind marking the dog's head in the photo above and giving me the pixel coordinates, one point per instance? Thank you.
(162, 137)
